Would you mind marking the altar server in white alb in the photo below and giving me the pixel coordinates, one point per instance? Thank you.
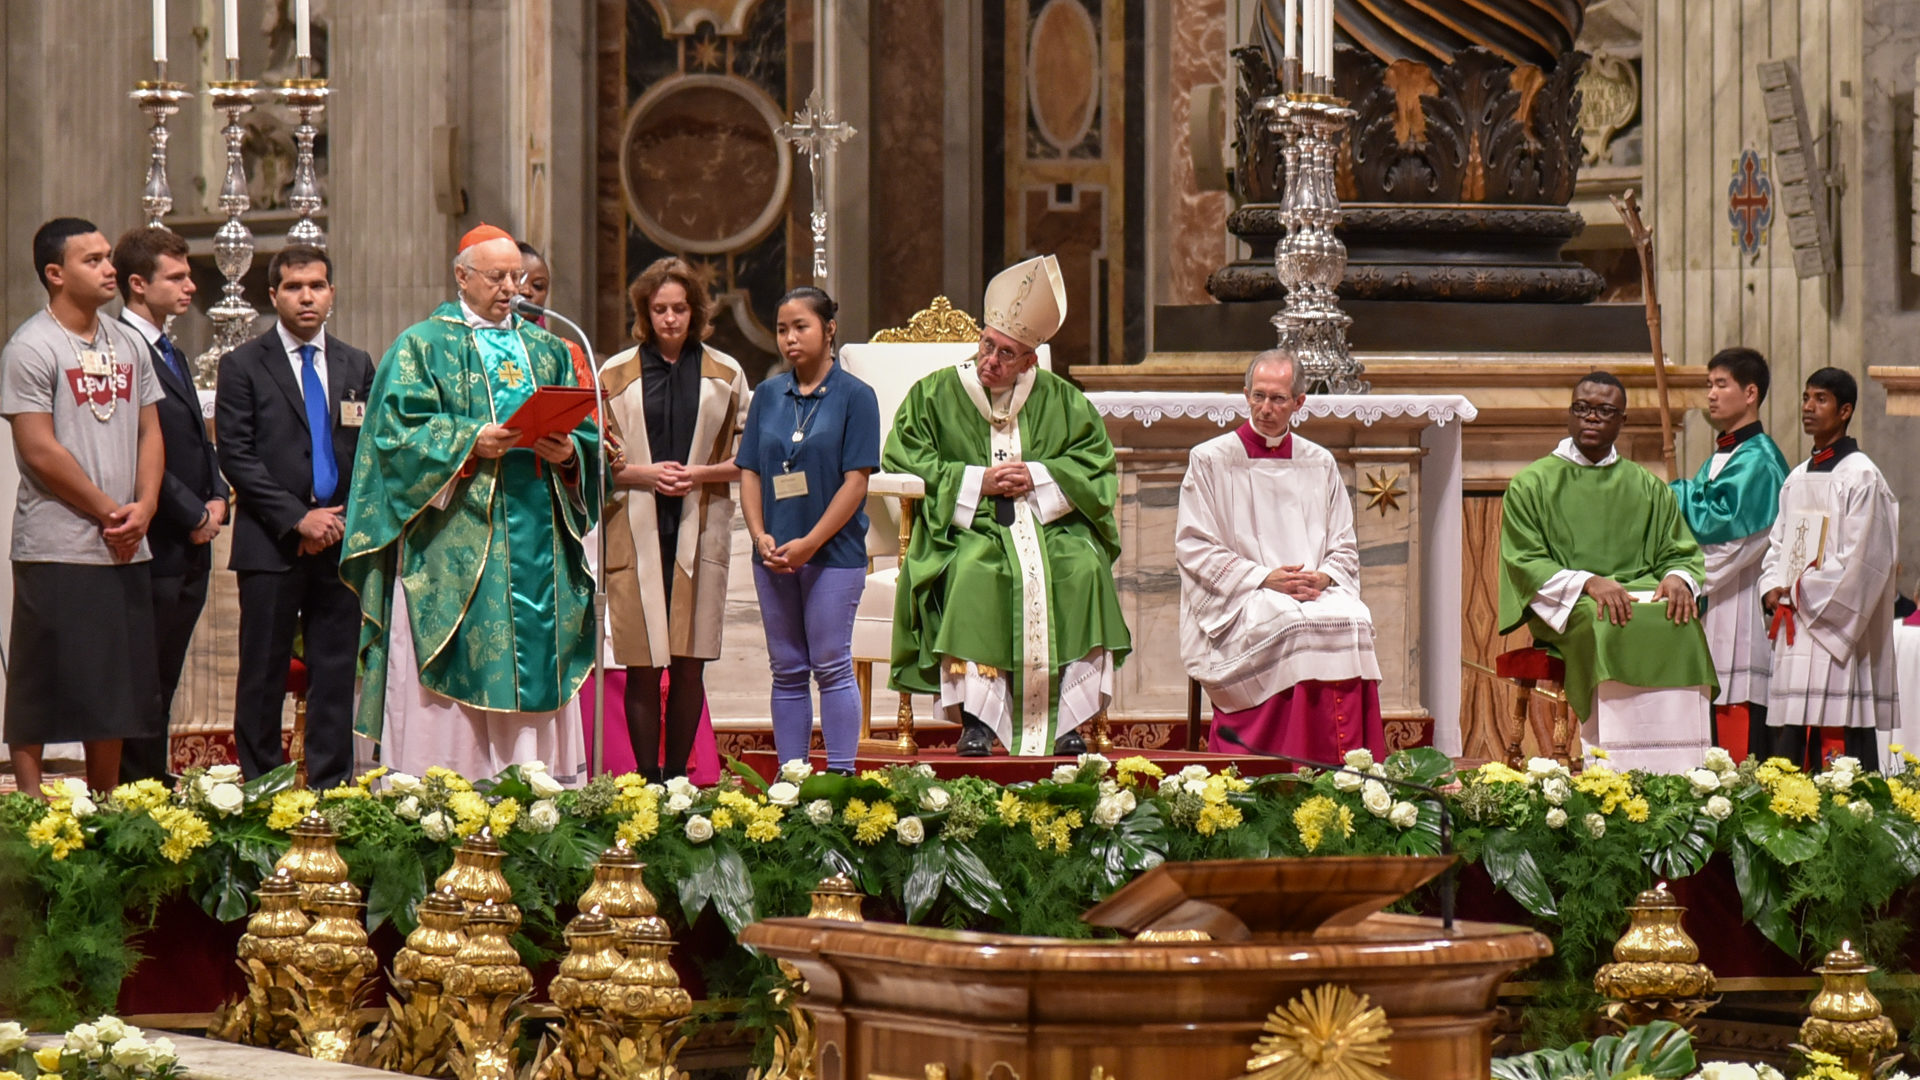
(1829, 588)
(1271, 620)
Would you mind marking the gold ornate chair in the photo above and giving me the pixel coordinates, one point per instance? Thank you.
(891, 363)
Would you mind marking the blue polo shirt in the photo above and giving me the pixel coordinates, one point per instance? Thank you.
(839, 424)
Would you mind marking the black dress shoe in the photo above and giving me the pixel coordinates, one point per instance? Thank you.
(1069, 745)
(976, 738)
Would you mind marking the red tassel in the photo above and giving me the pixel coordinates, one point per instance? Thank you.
(1782, 617)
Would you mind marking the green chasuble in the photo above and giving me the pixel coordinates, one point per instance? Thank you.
(1618, 521)
(1743, 500)
(498, 589)
(1023, 600)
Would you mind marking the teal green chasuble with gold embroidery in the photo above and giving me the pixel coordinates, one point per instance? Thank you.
(490, 553)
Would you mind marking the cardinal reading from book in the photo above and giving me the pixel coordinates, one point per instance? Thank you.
(466, 549)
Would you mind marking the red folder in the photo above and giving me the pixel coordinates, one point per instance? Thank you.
(551, 410)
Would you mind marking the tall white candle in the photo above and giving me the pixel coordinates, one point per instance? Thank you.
(1292, 49)
(159, 31)
(1326, 42)
(1311, 46)
(233, 29)
(303, 28)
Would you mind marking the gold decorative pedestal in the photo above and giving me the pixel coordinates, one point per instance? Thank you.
(418, 1030)
(1846, 1020)
(332, 963)
(475, 876)
(1656, 973)
(265, 1016)
(312, 860)
(485, 985)
(645, 1001)
(580, 991)
(619, 891)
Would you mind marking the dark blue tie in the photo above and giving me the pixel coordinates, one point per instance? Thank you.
(326, 474)
(174, 359)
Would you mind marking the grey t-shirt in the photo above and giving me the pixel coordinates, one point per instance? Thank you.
(41, 371)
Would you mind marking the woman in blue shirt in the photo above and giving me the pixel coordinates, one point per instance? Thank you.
(812, 437)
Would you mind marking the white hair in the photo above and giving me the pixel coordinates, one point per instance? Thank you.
(1277, 356)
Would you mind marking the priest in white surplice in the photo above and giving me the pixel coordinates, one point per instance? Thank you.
(1271, 621)
(1828, 585)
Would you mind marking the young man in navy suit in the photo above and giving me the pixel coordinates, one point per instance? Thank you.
(155, 285)
(287, 415)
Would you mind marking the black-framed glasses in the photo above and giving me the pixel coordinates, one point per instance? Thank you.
(1583, 410)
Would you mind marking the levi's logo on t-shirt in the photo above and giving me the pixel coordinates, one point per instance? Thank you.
(101, 389)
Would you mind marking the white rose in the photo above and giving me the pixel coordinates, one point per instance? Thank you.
(699, 829)
(1556, 790)
(783, 794)
(1194, 787)
(796, 771)
(678, 802)
(1861, 809)
(1842, 779)
(1064, 774)
(1768, 1072)
(1098, 761)
(1540, 768)
(1718, 808)
(111, 1029)
(12, 1038)
(819, 812)
(1194, 772)
(1404, 815)
(224, 774)
(543, 815)
(1556, 818)
(1359, 759)
(84, 1040)
(935, 800)
(408, 808)
(910, 830)
(72, 788)
(1106, 813)
(227, 798)
(1704, 781)
(435, 825)
(160, 1053)
(1844, 763)
(402, 783)
(1596, 826)
(1375, 798)
(1170, 784)
(82, 808)
(1719, 761)
(1346, 781)
(529, 768)
(1727, 1070)
(130, 1052)
(544, 785)
(680, 785)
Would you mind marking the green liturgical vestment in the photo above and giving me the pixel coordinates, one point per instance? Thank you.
(1023, 599)
(498, 590)
(1617, 521)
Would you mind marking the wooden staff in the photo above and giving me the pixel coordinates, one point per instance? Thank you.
(1629, 211)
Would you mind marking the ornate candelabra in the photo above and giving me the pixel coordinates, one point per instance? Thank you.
(816, 132)
(233, 244)
(159, 99)
(265, 1015)
(1311, 260)
(308, 99)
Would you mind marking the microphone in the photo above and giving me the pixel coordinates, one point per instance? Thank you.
(526, 308)
(1447, 884)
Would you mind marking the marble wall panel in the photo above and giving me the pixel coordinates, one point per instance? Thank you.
(1196, 220)
(908, 152)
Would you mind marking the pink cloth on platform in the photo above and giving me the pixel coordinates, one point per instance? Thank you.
(1310, 719)
(703, 768)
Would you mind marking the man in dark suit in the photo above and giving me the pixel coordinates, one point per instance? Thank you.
(288, 415)
(156, 285)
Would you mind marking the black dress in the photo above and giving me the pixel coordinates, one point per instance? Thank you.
(671, 405)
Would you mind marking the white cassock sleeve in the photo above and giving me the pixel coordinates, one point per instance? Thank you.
(966, 502)
(1218, 580)
(1341, 561)
(1554, 602)
(1047, 501)
(1834, 600)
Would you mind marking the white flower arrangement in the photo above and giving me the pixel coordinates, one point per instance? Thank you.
(796, 771)
(1111, 808)
(1556, 818)
(408, 808)
(1596, 825)
(819, 812)
(400, 783)
(1361, 759)
(1374, 797)
(436, 826)
(542, 816)
(1099, 762)
(1556, 790)
(1065, 774)
(784, 793)
(1404, 815)
(910, 829)
(1704, 781)
(679, 802)
(1719, 761)
(226, 798)
(1346, 781)
(1719, 808)
(935, 799)
(699, 829)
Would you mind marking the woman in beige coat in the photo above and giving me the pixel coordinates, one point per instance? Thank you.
(672, 404)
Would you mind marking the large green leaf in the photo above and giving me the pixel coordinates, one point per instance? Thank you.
(926, 873)
(746, 773)
(697, 885)
(973, 884)
(392, 894)
(733, 888)
(1762, 895)
(1788, 843)
(1430, 766)
(1512, 868)
(1686, 849)
(268, 784)
(1660, 1050)
(1903, 842)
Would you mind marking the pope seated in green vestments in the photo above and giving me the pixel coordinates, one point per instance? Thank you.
(1597, 562)
(465, 550)
(1006, 605)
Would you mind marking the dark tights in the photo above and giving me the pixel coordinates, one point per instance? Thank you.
(1801, 745)
(686, 695)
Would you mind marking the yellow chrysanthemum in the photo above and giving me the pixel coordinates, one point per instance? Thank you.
(142, 795)
(733, 800)
(875, 824)
(367, 778)
(877, 777)
(1317, 815)
(764, 825)
(1010, 808)
(1795, 797)
(289, 807)
(453, 781)
(722, 818)
(186, 831)
(348, 791)
(1613, 789)
(1216, 817)
(642, 825)
(1905, 799)
(1499, 772)
(1636, 808)
(1783, 764)
(470, 812)
(635, 794)
(1129, 771)
(506, 813)
(59, 832)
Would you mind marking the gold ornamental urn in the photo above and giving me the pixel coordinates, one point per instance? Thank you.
(593, 956)
(618, 890)
(475, 876)
(274, 931)
(487, 964)
(312, 860)
(428, 954)
(1656, 973)
(837, 898)
(1846, 1019)
(646, 990)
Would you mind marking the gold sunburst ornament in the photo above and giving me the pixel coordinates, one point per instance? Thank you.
(1327, 1033)
(1383, 491)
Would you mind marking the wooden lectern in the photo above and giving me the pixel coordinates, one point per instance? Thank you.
(1264, 968)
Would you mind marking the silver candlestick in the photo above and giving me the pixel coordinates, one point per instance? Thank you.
(815, 132)
(232, 317)
(308, 98)
(1311, 260)
(159, 99)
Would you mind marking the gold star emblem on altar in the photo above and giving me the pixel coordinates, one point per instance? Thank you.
(1383, 491)
(706, 54)
(512, 374)
(705, 272)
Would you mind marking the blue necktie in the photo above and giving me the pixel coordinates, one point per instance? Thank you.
(174, 359)
(326, 475)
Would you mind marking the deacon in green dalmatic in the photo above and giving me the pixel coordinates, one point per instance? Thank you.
(466, 552)
(1597, 562)
(1006, 605)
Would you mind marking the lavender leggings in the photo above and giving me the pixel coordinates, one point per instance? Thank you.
(809, 621)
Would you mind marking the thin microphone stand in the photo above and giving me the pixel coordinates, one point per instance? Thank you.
(1447, 884)
(527, 308)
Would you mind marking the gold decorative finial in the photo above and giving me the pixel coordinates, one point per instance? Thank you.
(837, 898)
(1656, 973)
(1846, 1018)
(937, 323)
(1327, 1033)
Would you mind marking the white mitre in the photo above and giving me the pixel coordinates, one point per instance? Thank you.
(1028, 301)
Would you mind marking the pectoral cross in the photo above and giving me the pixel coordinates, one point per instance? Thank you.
(815, 132)
(999, 455)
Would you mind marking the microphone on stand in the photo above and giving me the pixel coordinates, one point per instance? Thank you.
(1447, 884)
(528, 309)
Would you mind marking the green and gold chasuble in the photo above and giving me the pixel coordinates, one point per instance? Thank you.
(1618, 521)
(1023, 599)
(498, 589)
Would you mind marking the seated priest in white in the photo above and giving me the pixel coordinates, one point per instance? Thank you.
(1828, 581)
(1597, 562)
(1271, 621)
(1006, 606)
